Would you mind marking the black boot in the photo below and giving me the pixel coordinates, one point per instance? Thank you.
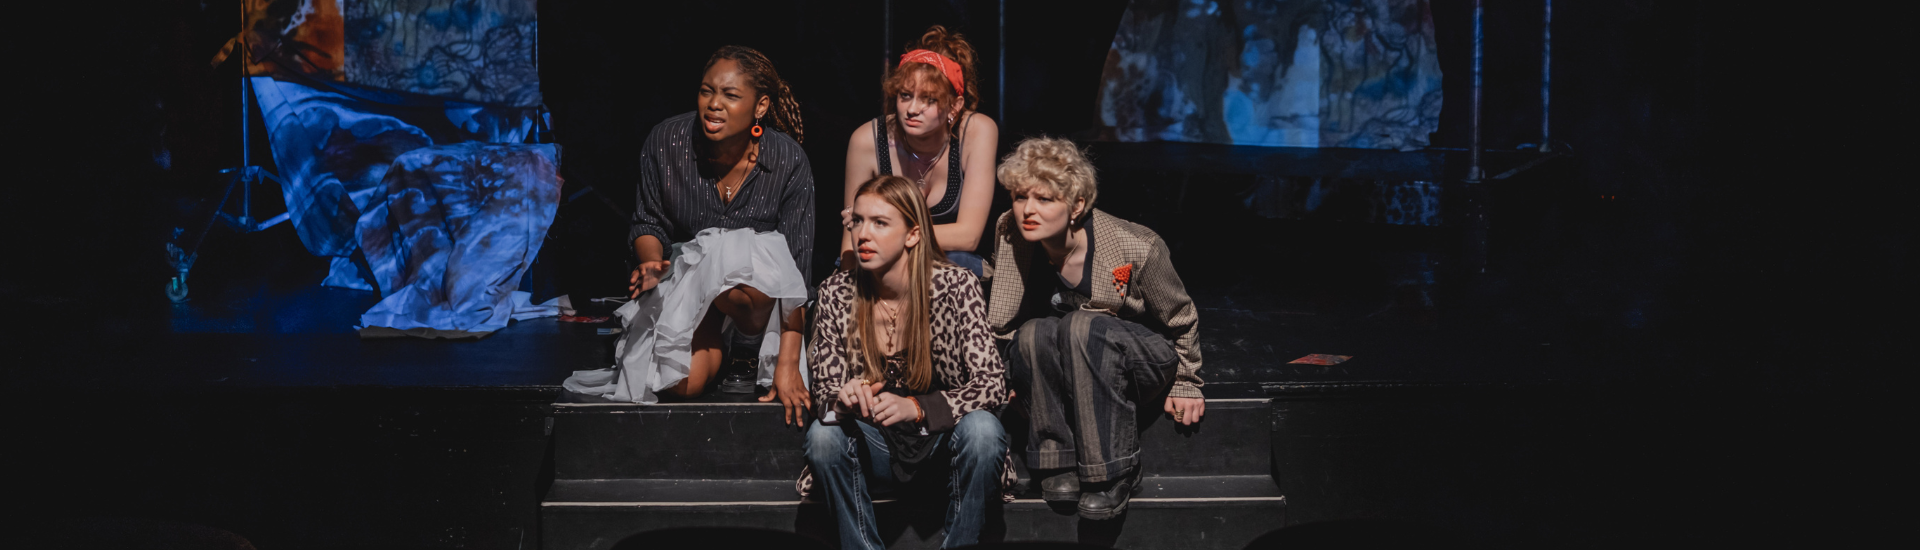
(1061, 487)
(1108, 499)
(737, 373)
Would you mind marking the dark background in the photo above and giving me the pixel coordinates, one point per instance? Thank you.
(1736, 204)
(1748, 151)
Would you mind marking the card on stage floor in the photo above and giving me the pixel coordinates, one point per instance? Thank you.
(1321, 359)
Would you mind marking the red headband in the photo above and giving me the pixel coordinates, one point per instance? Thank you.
(946, 66)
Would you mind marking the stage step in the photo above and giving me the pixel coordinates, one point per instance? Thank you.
(737, 438)
(727, 461)
(1171, 512)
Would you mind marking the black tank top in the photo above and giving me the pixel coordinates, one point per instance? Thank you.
(948, 209)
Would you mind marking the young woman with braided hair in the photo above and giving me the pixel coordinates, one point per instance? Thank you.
(723, 235)
(932, 134)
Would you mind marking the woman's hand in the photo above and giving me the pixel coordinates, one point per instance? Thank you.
(849, 397)
(857, 396)
(890, 409)
(792, 392)
(1186, 410)
(646, 276)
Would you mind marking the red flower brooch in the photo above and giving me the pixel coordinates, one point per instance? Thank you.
(1121, 275)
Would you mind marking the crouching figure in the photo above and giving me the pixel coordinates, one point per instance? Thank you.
(906, 374)
(1097, 324)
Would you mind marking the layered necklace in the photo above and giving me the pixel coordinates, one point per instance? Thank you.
(926, 163)
(892, 343)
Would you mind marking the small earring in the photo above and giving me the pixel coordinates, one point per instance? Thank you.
(756, 131)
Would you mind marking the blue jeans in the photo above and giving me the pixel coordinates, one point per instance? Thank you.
(970, 261)
(849, 457)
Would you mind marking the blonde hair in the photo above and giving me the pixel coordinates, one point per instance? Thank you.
(1054, 164)
(921, 76)
(917, 320)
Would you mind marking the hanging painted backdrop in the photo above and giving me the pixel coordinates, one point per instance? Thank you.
(1295, 73)
(480, 51)
(347, 86)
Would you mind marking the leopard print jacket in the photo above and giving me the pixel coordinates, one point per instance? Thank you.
(965, 360)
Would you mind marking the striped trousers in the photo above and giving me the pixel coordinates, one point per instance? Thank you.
(1083, 378)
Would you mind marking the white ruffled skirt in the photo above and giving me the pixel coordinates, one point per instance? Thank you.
(655, 351)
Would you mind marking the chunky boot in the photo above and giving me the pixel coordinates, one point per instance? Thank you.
(1107, 500)
(1061, 487)
(738, 372)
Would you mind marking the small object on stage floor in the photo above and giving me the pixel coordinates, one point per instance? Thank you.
(584, 319)
(1321, 359)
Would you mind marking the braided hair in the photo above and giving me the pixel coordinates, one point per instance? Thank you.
(785, 110)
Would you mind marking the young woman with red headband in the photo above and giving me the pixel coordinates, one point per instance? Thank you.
(932, 135)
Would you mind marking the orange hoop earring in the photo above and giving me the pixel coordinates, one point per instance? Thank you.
(756, 131)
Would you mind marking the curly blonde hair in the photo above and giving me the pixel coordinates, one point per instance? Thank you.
(1054, 164)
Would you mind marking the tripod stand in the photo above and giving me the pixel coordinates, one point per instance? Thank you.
(244, 177)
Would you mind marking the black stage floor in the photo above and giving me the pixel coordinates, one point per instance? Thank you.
(305, 337)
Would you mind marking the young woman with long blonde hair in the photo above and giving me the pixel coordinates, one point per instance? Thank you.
(906, 373)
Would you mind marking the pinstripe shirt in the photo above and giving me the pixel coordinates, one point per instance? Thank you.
(676, 201)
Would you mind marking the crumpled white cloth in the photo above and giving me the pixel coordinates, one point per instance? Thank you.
(524, 308)
(656, 349)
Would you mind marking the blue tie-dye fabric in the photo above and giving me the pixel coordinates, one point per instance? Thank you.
(451, 230)
(332, 144)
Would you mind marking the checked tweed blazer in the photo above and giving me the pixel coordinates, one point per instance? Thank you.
(1133, 280)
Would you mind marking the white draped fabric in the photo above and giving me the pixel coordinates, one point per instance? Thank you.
(656, 349)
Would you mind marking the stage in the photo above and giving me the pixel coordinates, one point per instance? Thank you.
(1649, 322)
(1473, 403)
(260, 410)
